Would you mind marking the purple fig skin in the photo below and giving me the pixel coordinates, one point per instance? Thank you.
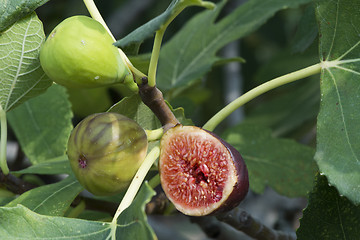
(201, 173)
(242, 187)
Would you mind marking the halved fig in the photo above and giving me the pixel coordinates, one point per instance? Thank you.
(200, 173)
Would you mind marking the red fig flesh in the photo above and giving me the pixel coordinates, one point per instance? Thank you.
(200, 173)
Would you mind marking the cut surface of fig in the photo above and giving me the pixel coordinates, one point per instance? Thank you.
(200, 173)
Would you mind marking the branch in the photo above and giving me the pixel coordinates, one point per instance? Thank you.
(241, 220)
(153, 98)
(15, 184)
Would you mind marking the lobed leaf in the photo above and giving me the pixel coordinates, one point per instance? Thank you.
(282, 164)
(329, 216)
(52, 199)
(192, 52)
(36, 226)
(20, 72)
(11, 11)
(338, 141)
(45, 132)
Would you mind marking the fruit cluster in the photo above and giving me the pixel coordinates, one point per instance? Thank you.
(200, 173)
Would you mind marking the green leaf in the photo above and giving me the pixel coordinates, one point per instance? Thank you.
(20, 72)
(86, 101)
(338, 141)
(329, 216)
(59, 165)
(288, 107)
(283, 164)
(36, 226)
(11, 11)
(134, 108)
(52, 199)
(132, 214)
(192, 52)
(43, 124)
(22, 224)
(306, 32)
(132, 41)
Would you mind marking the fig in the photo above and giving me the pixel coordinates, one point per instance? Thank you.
(79, 53)
(105, 150)
(200, 173)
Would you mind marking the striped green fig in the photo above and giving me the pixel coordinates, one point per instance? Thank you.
(105, 150)
(79, 53)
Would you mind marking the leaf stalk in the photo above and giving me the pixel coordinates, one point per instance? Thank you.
(257, 91)
(3, 140)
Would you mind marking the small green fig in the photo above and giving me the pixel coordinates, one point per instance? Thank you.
(79, 53)
(105, 150)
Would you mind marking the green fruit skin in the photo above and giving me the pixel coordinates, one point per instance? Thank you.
(79, 53)
(113, 147)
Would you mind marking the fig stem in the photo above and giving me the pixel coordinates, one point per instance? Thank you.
(134, 186)
(95, 14)
(257, 91)
(154, 181)
(76, 211)
(3, 139)
(154, 135)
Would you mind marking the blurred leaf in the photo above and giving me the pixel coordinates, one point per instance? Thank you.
(329, 216)
(90, 100)
(52, 199)
(35, 226)
(11, 11)
(307, 30)
(58, 165)
(43, 124)
(132, 41)
(136, 213)
(288, 107)
(20, 72)
(141, 62)
(338, 141)
(283, 164)
(192, 52)
(288, 111)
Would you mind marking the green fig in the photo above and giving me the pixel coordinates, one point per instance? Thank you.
(79, 53)
(105, 150)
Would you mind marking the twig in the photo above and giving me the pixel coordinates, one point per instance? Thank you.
(153, 98)
(241, 220)
(15, 184)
